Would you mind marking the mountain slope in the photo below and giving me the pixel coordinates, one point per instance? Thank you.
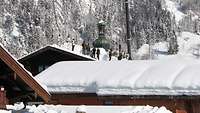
(29, 25)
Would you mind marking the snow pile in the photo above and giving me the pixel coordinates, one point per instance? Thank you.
(173, 8)
(103, 55)
(189, 44)
(143, 52)
(161, 47)
(18, 106)
(172, 76)
(91, 109)
(147, 52)
(81, 108)
(148, 109)
(5, 111)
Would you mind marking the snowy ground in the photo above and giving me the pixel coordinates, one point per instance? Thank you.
(87, 109)
(188, 46)
(78, 50)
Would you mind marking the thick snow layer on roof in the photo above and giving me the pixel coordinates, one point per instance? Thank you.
(92, 109)
(172, 76)
(65, 47)
(77, 51)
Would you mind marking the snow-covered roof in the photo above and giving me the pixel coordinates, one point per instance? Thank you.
(175, 76)
(57, 48)
(73, 52)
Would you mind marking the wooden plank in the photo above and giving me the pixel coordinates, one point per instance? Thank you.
(2, 98)
(15, 76)
(181, 111)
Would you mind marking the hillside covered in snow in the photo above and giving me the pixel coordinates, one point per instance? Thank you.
(26, 26)
(30, 25)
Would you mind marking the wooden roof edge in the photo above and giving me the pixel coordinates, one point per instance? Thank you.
(129, 96)
(72, 53)
(34, 53)
(23, 74)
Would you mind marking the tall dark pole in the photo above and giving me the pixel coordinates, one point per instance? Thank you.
(128, 31)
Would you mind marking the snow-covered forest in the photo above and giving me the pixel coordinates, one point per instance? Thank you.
(27, 25)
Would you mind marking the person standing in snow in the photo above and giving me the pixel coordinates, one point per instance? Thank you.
(93, 52)
(110, 54)
(84, 47)
(120, 56)
(120, 48)
(88, 49)
(98, 53)
(73, 44)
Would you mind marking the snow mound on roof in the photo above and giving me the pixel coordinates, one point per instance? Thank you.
(172, 76)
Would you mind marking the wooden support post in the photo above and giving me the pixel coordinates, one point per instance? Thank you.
(35, 96)
(2, 98)
(181, 106)
(15, 76)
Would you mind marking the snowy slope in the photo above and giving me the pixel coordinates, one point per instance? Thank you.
(189, 44)
(173, 8)
(172, 76)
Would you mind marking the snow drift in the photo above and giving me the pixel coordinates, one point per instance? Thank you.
(90, 109)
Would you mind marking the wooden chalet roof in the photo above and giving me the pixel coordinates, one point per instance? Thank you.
(61, 54)
(22, 73)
